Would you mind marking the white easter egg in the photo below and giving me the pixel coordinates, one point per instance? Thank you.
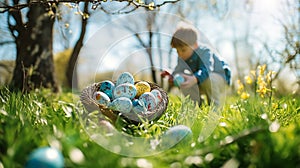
(101, 98)
(149, 100)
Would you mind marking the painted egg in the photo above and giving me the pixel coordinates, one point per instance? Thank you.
(149, 100)
(46, 157)
(158, 96)
(124, 90)
(138, 106)
(121, 104)
(142, 87)
(101, 98)
(107, 87)
(125, 77)
(177, 135)
(178, 80)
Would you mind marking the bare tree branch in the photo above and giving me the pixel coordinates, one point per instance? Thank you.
(7, 8)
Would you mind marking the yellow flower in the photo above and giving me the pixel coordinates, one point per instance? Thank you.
(240, 88)
(263, 91)
(275, 105)
(270, 76)
(245, 95)
(261, 81)
(151, 6)
(261, 69)
(248, 80)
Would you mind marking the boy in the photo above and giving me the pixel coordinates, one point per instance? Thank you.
(204, 72)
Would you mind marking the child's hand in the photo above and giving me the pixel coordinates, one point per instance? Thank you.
(164, 74)
(190, 80)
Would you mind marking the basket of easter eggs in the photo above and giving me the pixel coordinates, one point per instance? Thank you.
(134, 101)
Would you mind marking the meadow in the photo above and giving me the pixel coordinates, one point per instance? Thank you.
(255, 128)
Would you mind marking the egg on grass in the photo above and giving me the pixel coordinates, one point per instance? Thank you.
(177, 136)
(45, 157)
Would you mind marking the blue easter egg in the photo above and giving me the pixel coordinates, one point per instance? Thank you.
(125, 90)
(101, 98)
(149, 100)
(121, 104)
(138, 106)
(45, 157)
(177, 135)
(107, 87)
(158, 96)
(125, 77)
(178, 80)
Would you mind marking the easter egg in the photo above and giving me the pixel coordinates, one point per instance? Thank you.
(142, 87)
(101, 98)
(179, 136)
(149, 100)
(45, 157)
(121, 104)
(125, 77)
(124, 90)
(138, 106)
(158, 96)
(178, 80)
(107, 87)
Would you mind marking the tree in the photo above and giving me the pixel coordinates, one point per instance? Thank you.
(34, 35)
(34, 62)
(72, 70)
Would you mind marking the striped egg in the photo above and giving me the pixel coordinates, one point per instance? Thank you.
(125, 77)
(149, 100)
(121, 104)
(124, 90)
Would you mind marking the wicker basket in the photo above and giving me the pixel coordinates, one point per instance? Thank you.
(90, 105)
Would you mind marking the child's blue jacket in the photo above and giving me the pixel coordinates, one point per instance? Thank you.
(202, 62)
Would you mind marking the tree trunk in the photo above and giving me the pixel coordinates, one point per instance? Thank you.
(34, 63)
(71, 73)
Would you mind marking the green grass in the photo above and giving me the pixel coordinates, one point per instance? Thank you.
(254, 133)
